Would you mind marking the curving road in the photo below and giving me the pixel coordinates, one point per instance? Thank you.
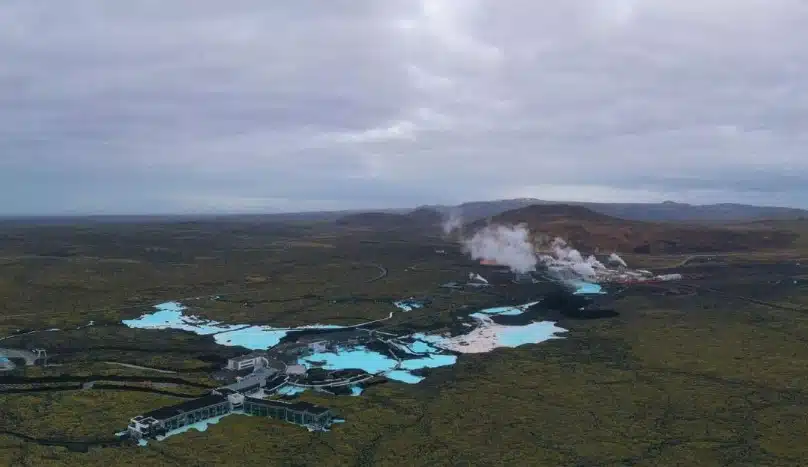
(382, 273)
(138, 367)
(692, 258)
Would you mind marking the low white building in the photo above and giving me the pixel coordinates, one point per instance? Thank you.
(295, 370)
(251, 360)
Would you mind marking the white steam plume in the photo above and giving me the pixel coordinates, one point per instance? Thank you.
(569, 262)
(452, 221)
(569, 265)
(615, 258)
(477, 277)
(584, 270)
(505, 245)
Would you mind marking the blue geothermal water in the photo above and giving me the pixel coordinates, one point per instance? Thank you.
(587, 288)
(424, 350)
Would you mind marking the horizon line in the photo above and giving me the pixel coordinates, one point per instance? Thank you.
(72, 215)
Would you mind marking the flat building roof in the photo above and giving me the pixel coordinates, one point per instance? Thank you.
(294, 406)
(249, 356)
(184, 407)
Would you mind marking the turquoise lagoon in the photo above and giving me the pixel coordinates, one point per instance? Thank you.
(423, 350)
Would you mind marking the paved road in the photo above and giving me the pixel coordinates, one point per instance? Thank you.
(138, 367)
(382, 272)
(29, 357)
(694, 257)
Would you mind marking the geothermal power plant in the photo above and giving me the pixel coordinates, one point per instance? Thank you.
(511, 247)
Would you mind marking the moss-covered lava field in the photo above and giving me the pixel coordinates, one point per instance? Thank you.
(712, 370)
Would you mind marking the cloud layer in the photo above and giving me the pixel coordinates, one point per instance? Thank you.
(248, 105)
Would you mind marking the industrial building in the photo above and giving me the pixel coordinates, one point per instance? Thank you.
(295, 370)
(242, 396)
(222, 402)
(259, 379)
(161, 421)
(299, 413)
(251, 360)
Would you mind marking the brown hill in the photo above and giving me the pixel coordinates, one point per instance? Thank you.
(591, 231)
(649, 212)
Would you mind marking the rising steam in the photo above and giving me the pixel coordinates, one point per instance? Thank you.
(615, 258)
(505, 245)
(569, 263)
(511, 246)
(452, 221)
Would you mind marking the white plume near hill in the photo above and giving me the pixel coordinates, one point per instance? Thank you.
(506, 245)
(615, 258)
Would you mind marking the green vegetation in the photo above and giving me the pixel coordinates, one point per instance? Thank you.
(706, 378)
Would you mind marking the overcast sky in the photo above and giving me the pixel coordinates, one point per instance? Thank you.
(252, 105)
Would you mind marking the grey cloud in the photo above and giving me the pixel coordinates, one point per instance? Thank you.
(187, 105)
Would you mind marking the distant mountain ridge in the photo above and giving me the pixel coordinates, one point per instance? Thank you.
(592, 231)
(659, 212)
